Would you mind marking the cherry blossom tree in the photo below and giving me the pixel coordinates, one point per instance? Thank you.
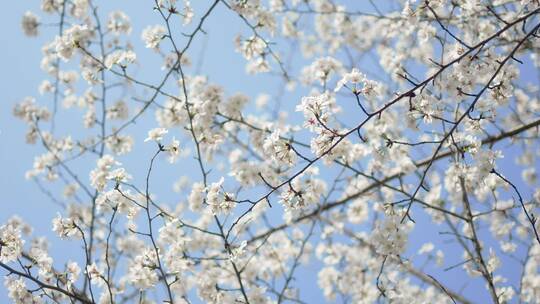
(406, 169)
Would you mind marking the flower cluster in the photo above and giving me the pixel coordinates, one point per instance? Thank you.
(219, 201)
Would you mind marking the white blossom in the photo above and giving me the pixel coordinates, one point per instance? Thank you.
(121, 58)
(119, 23)
(30, 24)
(279, 149)
(156, 134)
(152, 36)
(218, 200)
(11, 243)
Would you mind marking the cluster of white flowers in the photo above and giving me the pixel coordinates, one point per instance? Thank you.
(29, 111)
(141, 271)
(172, 149)
(120, 200)
(317, 110)
(73, 271)
(358, 211)
(172, 114)
(173, 237)
(254, 50)
(196, 197)
(121, 58)
(119, 144)
(324, 142)
(187, 13)
(104, 172)
(10, 243)
(219, 201)
(19, 293)
(321, 70)
(391, 234)
(204, 102)
(119, 23)
(360, 84)
(257, 48)
(38, 253)
(152, 36)
(30, 24)
(64, 227)
(156, 134)
(73, 38)
(304, 191)
(279, 149)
